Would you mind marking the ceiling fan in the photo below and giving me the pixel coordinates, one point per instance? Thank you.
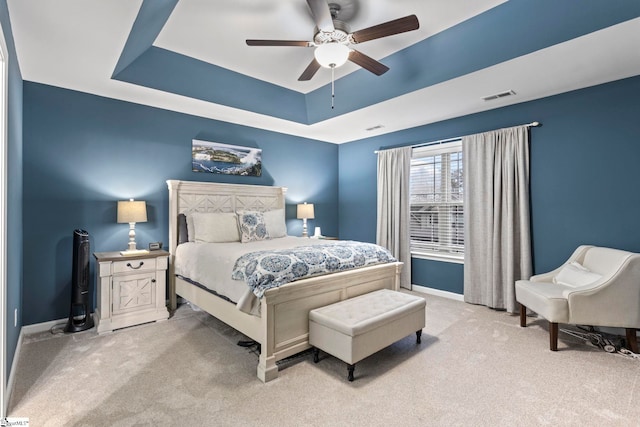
(332, 39)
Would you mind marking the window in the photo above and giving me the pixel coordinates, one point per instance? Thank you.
(437, 209)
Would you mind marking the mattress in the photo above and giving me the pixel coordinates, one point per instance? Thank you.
(211, 265)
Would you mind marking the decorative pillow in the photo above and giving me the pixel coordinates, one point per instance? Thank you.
(191, 234)
(276, 226)
(215, 227)
(183, 233)
(252, 226)
(574, 275)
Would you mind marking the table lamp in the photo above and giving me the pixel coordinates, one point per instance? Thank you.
(305, 211)
(132, 211)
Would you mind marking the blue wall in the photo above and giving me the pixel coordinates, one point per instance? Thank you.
(584, 174)
(14, 192)
(82, 153)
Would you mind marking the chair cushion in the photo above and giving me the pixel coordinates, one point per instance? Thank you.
(544, 298)
(575, 275)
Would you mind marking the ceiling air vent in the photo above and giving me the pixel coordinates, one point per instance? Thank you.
(498, 95)
(374, 128)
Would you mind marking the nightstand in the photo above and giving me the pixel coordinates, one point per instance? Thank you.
(130, 289)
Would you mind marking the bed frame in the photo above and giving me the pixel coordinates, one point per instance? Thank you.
(282, 329)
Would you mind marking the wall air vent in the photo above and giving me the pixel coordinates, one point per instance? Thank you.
(498, 95)
(374, 128)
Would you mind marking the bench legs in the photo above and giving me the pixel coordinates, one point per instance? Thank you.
(352, 366)
(350, 369)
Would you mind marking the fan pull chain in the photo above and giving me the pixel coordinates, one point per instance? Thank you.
(333, 95)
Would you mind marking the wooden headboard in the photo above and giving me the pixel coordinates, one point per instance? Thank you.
(192, 196)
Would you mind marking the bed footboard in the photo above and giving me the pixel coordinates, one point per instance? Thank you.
(285, 310)
(283, 326)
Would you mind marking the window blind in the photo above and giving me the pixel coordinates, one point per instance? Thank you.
(437, 196)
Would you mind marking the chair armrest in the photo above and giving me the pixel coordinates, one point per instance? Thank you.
(611, 301)
(586, 290)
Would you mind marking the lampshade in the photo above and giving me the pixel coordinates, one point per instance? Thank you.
(132, 211)
(331, 54)
(305, 211)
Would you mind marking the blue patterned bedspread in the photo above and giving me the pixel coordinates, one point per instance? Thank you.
(269, 269)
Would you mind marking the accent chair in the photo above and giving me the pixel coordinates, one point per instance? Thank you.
(596, 286)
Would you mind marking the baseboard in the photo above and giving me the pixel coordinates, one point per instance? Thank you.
(12, 374)
(43, 327)
(437, 292)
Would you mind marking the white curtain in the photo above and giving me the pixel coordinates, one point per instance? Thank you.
(497, 217)
(394, 169)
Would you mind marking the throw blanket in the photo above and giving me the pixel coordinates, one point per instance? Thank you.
(269, 269)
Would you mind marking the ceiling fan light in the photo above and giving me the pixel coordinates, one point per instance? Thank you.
(332, 54)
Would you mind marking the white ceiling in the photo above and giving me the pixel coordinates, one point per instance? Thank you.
(217, 34)
(75, 44)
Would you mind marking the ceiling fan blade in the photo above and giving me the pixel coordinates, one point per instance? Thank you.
(310, 71)
(368, 63)
(321, 15)
(278, 43)
(397, 26)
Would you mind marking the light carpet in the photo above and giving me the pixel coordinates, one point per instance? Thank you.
(475, 367)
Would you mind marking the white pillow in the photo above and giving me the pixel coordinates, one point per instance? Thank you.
(215, 227)
(276, 226)
(574, 275)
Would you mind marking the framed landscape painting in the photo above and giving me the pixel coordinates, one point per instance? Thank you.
(226, 159)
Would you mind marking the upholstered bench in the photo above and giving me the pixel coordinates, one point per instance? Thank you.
(358, 327)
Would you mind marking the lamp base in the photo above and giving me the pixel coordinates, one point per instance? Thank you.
(134, 252)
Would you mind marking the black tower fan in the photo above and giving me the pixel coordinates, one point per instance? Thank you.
(79, 317)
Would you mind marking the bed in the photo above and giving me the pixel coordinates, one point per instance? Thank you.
(281, 324)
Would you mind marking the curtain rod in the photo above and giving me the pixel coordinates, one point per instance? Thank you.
(442, 141)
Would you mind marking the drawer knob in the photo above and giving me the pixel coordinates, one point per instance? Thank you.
(153, 280)
(135, 268)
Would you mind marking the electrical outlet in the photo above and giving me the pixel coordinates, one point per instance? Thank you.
(15, 317)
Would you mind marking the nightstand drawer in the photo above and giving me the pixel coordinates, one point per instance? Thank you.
(134, 265)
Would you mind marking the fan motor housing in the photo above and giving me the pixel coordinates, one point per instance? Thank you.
(340, 34)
